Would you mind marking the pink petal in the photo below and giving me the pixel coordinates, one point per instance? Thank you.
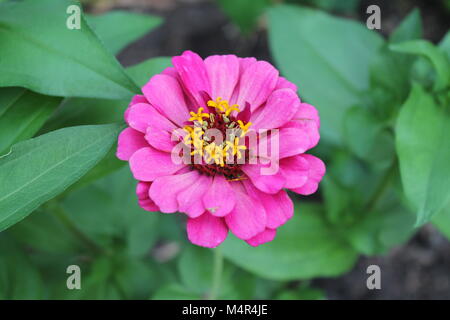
(147, 164)
(135, 100)
(223, 73)
(160, 139)
(308, 112)
(164, 190)
(280, 107)
(283, 83)
(287, 141)
(166, 95)
(143, 198)
(129, 142)
(193, 74)
(279, 207)
(140, 116)
(207, 230)
(268, 183)
(148, 205)
(256, 84)
(142, 189)
(315, 175)
(263, 237)
(296, 171)
(190, 199)
(248, 217)
(219, 199)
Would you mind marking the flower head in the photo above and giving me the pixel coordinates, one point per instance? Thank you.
(220, 140)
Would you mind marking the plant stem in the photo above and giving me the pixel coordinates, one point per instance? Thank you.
(217, 274)
(381, 188)
(61, 214)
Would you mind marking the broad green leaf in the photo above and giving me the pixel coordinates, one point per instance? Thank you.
(119, 28)
(38, 169)
(409, 29)
(22, 113)
(41, 53)
(437, 57)
(79, 111)
(108, 210)
(442, 221)
(327, 57)
(142, 72)
(305, 247)
(244, 13)
(423, 149)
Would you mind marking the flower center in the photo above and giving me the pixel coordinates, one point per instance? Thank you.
(216, 139)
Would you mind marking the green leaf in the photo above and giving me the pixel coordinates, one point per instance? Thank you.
(108, 210)
(302, 293)
(175, 292)
(142, 72)
(44, 232)
(40, 53)
(119, 28)
(423, 149)
(409, 29)
(305, 247)
(442, 221)
(437, 57)
(19, 279)
(244, 13)
(38, 169)
(22, 113)
(445, 44)
(327, 57)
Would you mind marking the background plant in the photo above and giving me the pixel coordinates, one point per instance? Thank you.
(65, 199)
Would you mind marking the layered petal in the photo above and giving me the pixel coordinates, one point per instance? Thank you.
(129, 142)
(281, 106)
(164, 190)
(283, 83)
(147, 164)
(219, 199)
(166, 95)
(248, 217)
(256, 84)
(194, 75)
(279, 207)
(267, 178)
(143, 198)
(315, 175)
(296, 171)
(190, 200)
(142, 115)
(262, 237)
(223, 73)
(207, 230)
(282, 143)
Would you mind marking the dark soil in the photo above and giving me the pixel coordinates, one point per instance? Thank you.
(419, 269)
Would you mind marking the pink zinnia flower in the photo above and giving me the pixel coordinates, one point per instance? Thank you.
(219, 193)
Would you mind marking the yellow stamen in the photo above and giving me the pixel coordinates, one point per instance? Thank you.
(236, 148)
(198, 116)
(244, 127)
(223, 106)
